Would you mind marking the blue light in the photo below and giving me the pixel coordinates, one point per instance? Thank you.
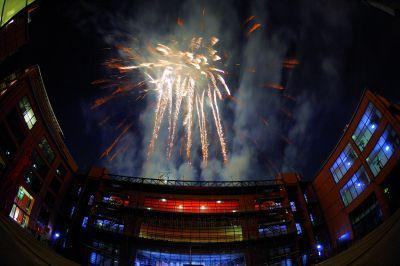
(358, 184)
(373, 126)
(93, 258)
(56, 235)
(319, 247)
(387, 148)
(345, 236)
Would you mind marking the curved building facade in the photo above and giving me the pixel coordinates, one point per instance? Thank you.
(142, 221)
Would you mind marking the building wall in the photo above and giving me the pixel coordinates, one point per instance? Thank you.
(335, 212)
(47, 184)
(148, 218)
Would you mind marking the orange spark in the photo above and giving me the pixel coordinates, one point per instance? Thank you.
(253, 28)
(118, 152)
(101, 101)
(249, 19)
(115, 142)
(286, 112)
(102, 122)
(273, 86)
(179, 21)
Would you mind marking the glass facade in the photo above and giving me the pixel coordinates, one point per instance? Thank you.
(383, 150)
(343, 163)
(367, 126)
(9, 8)
(146, 257)
(355, 186)
(109, 225)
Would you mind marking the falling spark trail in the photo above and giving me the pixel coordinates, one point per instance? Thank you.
(253, 28)
(115, 142)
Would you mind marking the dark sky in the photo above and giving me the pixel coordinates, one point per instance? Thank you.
(342, 47)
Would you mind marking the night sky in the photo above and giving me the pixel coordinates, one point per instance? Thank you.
(342, 47)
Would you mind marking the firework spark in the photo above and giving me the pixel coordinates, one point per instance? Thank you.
(188, 86)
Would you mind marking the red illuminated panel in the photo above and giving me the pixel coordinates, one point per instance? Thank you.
(191, 206)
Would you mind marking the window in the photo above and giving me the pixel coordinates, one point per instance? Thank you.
(343, 163)
(39, 165)
(367, 126)
(17, 129)
(109, 225)
(11, 8)
(7, 146)
(84, 221)
(27, 112)
(383, 150)
(355, 186)
(272, 230)
(55, 184)
(60, 171)
(33, 181)
(298, 228)
(293, 206)
(49, 199)
(47, 151)
(22, 207)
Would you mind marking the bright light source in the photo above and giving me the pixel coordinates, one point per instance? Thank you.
(387, 148)
(319, 246)
(148, 208)
(218, 201)
(163, 200)
(180, 207)
(373, 126)
(202, 207)
(234, 210)
(56, 235)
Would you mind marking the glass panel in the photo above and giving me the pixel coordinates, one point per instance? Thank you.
(383, 150)
(343, 163)
(355, 186)
(367, 126)
(191, 206)
(147, 257)
(16, 127)
(22, 207)
(11, 8)
(27, 112)
(33, 181)
(39, 165)
(47, 151)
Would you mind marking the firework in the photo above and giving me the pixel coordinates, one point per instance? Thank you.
(188, 86)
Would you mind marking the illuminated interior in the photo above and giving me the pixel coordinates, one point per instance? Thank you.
(193, 234)
(146, 257)
(22, 207)
(191, 206)
(9, 8)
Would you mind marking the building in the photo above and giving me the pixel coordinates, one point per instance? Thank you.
(129, 220)
(35, 165)
(358, 185)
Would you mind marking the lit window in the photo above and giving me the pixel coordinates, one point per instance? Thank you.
(367, 126)
(27, 112)
(298, 228)
(383, 150)
(293, 206)
(84, 221)
(22, 207)
(109, 225)
(343, 163)
(355, 186)
(272, 230)
(47, 151)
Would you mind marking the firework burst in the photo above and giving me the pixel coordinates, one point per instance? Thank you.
(188, 86)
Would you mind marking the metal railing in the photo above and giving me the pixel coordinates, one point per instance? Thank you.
(162, 181)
